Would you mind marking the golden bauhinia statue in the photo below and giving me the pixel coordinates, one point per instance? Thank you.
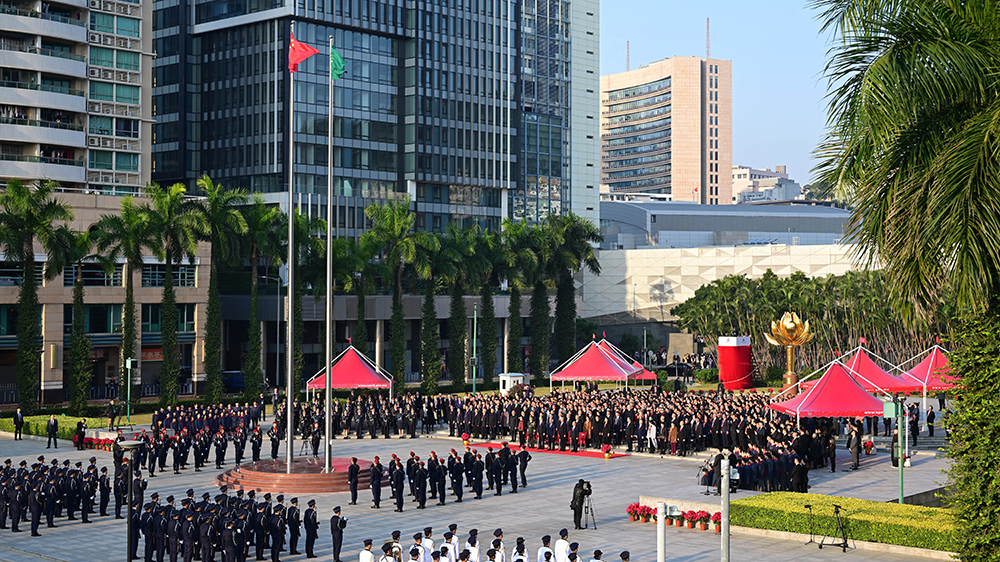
(789, 332)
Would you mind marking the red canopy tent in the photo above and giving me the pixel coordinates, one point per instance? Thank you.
(835, 394)
(351, 369)
(595, 362)
(873, 378)
(644, 374)
(931, 373)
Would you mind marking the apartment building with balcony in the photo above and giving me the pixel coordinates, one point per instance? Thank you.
(75, 104)
(666, 128)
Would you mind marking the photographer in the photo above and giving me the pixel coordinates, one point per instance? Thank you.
(580, 493)
(111, 414)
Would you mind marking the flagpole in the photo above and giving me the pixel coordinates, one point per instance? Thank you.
(329, 265)
(289, 336)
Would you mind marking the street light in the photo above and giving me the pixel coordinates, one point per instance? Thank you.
(130, 447)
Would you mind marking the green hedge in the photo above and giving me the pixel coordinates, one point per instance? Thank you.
(889, 523)
(706, 376)
(35, 425)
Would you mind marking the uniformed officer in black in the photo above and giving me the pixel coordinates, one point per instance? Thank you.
(311, 523)
(397, 481)
(352, 479)
(293, 520)
(277, 528)
(189, 534)
(337, 526)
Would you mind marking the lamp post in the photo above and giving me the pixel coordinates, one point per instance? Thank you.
(130, 447)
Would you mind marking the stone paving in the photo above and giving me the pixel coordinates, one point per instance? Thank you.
(541, 508)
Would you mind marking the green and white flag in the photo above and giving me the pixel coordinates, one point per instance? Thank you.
(336, 64)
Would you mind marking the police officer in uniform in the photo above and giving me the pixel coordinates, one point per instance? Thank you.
(312, 528)
(337, 526)
(293, 518)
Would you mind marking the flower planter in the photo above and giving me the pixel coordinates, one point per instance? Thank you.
(690, 524)
(465, 442)
(645, 519)
(607, 455)
(703, 526)
(718, 529)
(633, 517)
(679, 522)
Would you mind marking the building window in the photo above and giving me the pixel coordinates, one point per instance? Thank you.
(127, 60)
(127, 94)
(153, 274)
(126, 128)
(100, 160)
(126, 162)
(104, 23)
(102, 91)
(128, 27)
(93, 275)
(100, 125)
(99, 56)
(98, 318)
(152, 318)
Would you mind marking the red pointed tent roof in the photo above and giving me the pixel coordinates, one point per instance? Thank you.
(351, 369)
(643, 375)
(617, 356)
(595, 363)
(835, 394)
(873, 378)
(932, 371)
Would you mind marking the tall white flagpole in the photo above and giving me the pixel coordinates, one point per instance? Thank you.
(290, 333)
(329, 265)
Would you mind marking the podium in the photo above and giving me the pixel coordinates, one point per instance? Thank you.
(735, 369)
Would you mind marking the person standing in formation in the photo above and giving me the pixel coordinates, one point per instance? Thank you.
(337, 526)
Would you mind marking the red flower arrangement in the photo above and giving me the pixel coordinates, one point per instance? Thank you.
(691, 516)
(702, 516)
(465, 437)
(605, 448)
(632, 510)
(717, 518)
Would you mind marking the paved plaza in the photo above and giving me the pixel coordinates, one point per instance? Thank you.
(542, 508)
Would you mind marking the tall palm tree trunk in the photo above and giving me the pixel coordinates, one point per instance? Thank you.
(169, 367)
(252, 374)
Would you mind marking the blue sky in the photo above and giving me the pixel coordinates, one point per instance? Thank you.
(778, 54)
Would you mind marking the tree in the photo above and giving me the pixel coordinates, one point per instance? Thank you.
(357, 259)
(459, 245)
(310, 267)
(573, 249)
(73, 249)
(125, 235)
(516, 248)
(542, 242)
(488, 335)
(29, 214)
(430, 356)
(226, 226)
(629, 344)
(913, 144)
(492, 265)
(262, 243)
(175, 225)
(392, 234)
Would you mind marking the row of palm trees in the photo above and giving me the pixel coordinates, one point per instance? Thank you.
(243, 231)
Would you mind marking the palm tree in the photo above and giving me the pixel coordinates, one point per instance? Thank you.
(29, 214)
(73, 249)
(125, 235)
(542, 242)
(573, 250)
(492, 266)
(392, 233)
(226, 226)
(516, 247)
(460, 245)
(432, 266)
(262, 244)
(357, 260)
(175, 225)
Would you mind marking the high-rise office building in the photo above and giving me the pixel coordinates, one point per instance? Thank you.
(666, 128)
(430, 107)
(74, 93)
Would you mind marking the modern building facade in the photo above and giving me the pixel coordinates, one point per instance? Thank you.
(666, 128)
(431, 105)
(104, 298)
(75, 80)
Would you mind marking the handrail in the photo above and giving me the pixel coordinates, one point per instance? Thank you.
(41, 123)
(12, 10)
(11, 46)
(40, 159)
(41, 88)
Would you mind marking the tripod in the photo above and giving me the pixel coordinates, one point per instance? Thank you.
(841, 531)
(589, 516)
(812, 533)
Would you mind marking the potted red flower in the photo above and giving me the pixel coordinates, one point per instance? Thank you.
(606, 449)
(465, 439)
(702, 518)
(633, 511)
(646, 512)
(690, 517)
(717, 519)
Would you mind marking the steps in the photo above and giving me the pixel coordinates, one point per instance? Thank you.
(924, 443)
(307, 477)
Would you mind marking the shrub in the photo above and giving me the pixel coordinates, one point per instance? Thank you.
(706, 376)
(889, 523)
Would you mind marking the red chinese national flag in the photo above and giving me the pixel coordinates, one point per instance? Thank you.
(298, 52)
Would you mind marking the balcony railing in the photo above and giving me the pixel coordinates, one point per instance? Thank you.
(5, 9)
(21, 48)
(41, 88)
(40, 159)
(40, 123)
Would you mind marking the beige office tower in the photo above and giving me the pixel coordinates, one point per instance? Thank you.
(666, 128)
(75, 85)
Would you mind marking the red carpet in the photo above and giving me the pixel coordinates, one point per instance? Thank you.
(481, 448)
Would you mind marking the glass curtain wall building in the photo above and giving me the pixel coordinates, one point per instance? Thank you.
(427, 106)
